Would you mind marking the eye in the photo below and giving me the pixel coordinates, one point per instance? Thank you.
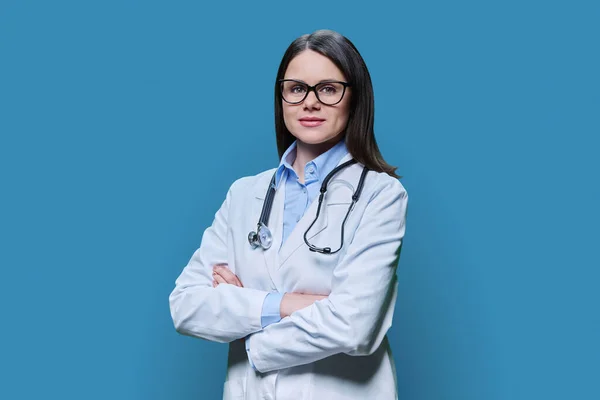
(298, 89)
(328, 89)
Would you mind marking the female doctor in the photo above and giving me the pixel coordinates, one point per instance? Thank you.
(297, 270)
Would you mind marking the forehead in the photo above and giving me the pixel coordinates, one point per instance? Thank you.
(312, 67)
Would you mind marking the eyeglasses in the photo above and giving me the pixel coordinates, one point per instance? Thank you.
(328, 92)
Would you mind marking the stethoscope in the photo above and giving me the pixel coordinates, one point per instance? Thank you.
(263, 237)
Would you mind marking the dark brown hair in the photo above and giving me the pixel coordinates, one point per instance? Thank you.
(359, 133)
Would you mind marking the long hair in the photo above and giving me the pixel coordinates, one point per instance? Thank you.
(359, 133)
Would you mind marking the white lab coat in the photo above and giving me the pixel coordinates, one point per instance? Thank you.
(336, 348)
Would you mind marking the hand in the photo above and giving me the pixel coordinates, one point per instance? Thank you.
(292, 302)
(222, 274)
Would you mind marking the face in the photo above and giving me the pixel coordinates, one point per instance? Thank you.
(311, 121)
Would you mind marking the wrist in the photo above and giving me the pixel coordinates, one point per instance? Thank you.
(283, 306)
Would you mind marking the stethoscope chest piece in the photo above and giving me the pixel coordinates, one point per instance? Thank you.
(262, 237)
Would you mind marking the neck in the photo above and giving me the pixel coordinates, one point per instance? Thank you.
(308, 152)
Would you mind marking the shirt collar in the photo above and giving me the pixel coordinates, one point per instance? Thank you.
(286, 163)
(323, 164)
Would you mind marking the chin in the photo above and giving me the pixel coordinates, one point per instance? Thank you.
(313, 136)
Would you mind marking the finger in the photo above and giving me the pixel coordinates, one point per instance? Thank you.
(237, 280)
(217, 267)
(229, 276)
(219, 279)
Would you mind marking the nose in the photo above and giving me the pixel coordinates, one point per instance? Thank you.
(311, 101)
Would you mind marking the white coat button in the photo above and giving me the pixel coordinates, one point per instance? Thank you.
(311, 170)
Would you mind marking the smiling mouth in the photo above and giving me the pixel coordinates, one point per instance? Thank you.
(311, 122)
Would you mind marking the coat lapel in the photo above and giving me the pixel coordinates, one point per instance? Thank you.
(296, 237)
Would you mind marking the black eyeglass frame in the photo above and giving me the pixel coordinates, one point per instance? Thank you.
(312, 88)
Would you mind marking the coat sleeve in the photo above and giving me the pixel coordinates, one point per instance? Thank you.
(356, 315)
(220, 314)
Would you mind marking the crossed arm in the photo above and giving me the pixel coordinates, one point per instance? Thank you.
(290, 302)
(353, 319)
(220, 313)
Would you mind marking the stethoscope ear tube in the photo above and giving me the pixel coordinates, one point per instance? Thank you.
(355, 197)
(359, 189)
(263, 237)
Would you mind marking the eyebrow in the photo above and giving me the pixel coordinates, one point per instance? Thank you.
(321, 81)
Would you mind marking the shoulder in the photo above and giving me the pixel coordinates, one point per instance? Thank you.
(387, 186)
(386, 198)
(386, 204)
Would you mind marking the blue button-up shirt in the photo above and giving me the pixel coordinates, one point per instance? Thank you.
(298, 197)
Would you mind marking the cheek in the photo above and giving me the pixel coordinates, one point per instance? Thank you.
(288, 117)
(342, 112)
(342, 117)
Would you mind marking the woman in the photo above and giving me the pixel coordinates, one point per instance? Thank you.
(311, 303)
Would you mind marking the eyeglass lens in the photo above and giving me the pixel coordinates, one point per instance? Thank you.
(327, 92)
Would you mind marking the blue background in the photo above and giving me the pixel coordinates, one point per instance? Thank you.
(120, 133)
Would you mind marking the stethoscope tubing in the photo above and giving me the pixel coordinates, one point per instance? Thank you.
(355, 197)
(269, 198)
(254, 238)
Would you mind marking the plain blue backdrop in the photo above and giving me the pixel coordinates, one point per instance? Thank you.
(123, 123)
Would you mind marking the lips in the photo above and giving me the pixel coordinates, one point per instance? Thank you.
(311, 121)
